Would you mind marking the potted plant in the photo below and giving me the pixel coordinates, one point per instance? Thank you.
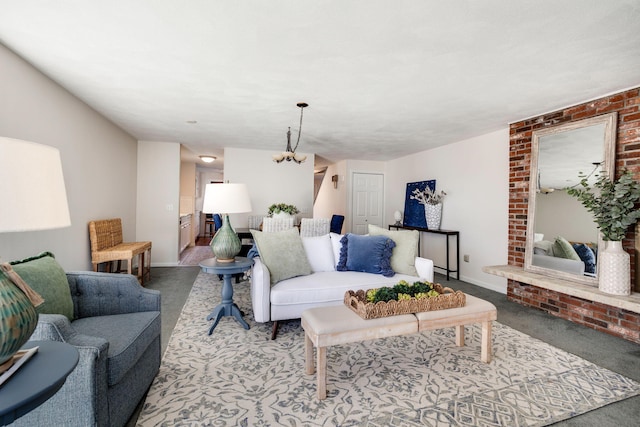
(613, 205)
(282, 208)
(432, 202)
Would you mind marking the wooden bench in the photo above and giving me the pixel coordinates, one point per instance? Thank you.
(107, 246)
(334, 325)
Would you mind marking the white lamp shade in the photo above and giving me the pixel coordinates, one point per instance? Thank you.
(32, 187)
(226, 198)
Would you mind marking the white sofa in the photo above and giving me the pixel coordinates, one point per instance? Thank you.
(555, 263)
(287, 299)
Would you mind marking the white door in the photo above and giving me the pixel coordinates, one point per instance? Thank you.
(367, 201)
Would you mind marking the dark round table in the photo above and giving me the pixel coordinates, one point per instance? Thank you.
(37, 379)
(227, 307)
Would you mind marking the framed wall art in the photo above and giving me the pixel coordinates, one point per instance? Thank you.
(413, 210)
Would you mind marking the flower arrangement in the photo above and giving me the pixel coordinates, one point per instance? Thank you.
(611, 202)
(427, 196)
(282, 207)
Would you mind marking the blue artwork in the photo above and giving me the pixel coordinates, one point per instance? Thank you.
(414, 211)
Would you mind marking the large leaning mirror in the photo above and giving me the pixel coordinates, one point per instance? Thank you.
(562, 238)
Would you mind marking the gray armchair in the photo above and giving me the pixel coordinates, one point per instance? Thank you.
(116, 329)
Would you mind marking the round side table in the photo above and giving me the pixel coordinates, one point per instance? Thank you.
(227, 269)
(37, 379)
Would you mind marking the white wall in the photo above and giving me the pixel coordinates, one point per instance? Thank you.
(158, 202)
(332, 200)
(205, 176)
(98, 159)
(559, 214)
(269, 182)
(475, 175)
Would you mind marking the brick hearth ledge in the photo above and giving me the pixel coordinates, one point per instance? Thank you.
(630, 303)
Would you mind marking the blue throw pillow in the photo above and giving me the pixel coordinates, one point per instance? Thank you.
(587, 256)
(368, 254)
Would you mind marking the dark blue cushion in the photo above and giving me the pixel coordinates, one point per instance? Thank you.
(336, 224)
(368, 254)
(217, 220)
(587, 256)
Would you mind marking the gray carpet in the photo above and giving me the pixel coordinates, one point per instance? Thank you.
(222, 370)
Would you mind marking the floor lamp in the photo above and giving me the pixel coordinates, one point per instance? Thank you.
(33, 198)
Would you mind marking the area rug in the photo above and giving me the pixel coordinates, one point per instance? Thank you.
(241, 377)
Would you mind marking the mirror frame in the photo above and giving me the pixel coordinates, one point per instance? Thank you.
(609, 153)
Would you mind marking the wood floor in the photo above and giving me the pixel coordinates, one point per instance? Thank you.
(203, 240)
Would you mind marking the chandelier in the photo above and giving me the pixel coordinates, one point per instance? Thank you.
(290, 154)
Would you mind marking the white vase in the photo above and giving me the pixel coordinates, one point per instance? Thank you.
(433, 215)
(614, 269)
(281, 214)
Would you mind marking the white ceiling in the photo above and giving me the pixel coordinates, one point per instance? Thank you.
(383, 79)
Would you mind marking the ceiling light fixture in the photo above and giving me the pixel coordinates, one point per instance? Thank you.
(290, 154)
(207, 159)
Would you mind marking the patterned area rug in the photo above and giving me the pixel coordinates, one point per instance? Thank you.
(240, 377)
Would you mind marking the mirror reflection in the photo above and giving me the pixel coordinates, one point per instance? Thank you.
(562, 238)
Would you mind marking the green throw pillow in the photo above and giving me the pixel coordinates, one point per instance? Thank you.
(403, 258)
(563, 249)
(45, 276)
(282, 253)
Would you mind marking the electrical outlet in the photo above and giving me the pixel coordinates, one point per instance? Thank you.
(466, 258)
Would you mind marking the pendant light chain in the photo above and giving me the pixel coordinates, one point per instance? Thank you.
(290, 154)
(299, 128)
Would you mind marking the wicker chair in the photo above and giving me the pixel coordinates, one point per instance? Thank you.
(107, 246)
(255, 221)
(310, 227)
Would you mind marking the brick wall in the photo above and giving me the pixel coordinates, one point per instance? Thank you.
(595, 315)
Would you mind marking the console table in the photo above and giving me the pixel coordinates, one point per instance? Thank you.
(447, 233)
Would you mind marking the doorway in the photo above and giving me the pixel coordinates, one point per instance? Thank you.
(367, 201)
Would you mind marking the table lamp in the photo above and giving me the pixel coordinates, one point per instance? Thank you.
(225, 199)
(33, 198)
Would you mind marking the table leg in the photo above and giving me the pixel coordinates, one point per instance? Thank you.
(448, 268)
(460, 335)
(308, 355)
(485, 346)
(227, 307)
(235, 312)
(215, 315)
(322, 372)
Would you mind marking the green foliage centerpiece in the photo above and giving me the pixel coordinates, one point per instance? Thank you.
(278, 208)
(613, 205)
(403, 298)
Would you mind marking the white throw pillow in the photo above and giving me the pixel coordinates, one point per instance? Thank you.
(336, 245)
(319, 253)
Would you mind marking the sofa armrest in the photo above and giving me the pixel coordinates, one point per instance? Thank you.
(260, 291)
(424, 267)
(102, 294)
